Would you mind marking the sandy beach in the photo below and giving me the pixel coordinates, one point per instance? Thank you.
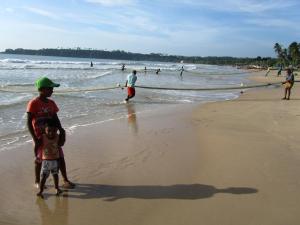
(231, 163)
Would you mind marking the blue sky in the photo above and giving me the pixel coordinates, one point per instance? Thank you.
(242, 28)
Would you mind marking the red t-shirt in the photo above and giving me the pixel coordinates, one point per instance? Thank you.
(41, 111)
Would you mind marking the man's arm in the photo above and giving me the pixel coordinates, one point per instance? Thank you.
(62, 132)
(32, 133)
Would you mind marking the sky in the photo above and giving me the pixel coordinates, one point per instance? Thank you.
(238, 28)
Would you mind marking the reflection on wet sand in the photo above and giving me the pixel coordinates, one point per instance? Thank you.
(53, 210)
(132, 119)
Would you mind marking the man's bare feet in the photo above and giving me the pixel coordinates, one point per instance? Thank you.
(68, 185)
(40, 194)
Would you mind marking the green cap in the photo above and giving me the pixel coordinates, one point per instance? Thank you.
(45, 82)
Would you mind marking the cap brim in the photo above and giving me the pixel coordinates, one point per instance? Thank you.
(55, 85)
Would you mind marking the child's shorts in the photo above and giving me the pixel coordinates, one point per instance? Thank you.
(49, 166)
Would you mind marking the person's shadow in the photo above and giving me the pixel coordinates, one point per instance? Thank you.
(177, 191)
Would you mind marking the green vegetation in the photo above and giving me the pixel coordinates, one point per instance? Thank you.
(122, 55)
(289, 56)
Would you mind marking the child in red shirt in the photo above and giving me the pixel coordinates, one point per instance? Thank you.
(39, 110)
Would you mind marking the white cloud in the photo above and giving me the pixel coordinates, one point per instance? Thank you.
(131, 20)
(249, 6)
(9, 10)
(42, 12)
(264, 22)
(113, 2)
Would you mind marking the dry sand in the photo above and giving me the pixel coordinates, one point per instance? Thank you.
(233, 162)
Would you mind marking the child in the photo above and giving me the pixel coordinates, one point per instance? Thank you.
(288, 83)
(49, 146)
(130, 84)
(39, 110)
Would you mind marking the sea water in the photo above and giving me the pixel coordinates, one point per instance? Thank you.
(81, 108)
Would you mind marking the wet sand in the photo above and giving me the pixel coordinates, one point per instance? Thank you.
(233, 162)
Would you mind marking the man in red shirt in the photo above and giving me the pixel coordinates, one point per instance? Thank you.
(39, 110)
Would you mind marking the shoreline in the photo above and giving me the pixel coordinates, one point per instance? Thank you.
(229, 162)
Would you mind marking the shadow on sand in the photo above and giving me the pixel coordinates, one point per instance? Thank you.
(178, 191)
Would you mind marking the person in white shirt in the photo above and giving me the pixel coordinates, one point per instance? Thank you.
(130, 84)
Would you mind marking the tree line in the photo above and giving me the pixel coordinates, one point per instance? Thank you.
(122, 55)
(288, 56)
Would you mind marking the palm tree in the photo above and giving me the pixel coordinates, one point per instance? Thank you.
(278, 49)
(281, 54)
(294, 53)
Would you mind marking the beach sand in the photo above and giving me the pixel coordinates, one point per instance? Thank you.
(234, 162)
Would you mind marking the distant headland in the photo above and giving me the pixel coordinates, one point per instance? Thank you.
(122, 55)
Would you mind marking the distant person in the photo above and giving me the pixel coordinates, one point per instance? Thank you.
(268, 71)
(181, 71)
(123, 67)
(288, 84)
(50, 143)
(92, 64)
(130, 84)
(279, 70)
(39, 110)
(145, 69)
(157, 71)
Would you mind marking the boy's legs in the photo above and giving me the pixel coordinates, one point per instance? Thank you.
(42, 185)
(54, 172)
(55, 178)
(44, 175)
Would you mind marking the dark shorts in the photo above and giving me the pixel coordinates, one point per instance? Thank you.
(130, 91)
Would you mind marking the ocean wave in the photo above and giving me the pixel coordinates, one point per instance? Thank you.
(14, 139)
(22, 133)
(14, 101)
(98, 75)
(59, 67)
(17, 85)
(57, 62)
(14, 61)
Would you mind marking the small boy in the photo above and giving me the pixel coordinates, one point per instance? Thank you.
(39, 110)
(49, 145)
